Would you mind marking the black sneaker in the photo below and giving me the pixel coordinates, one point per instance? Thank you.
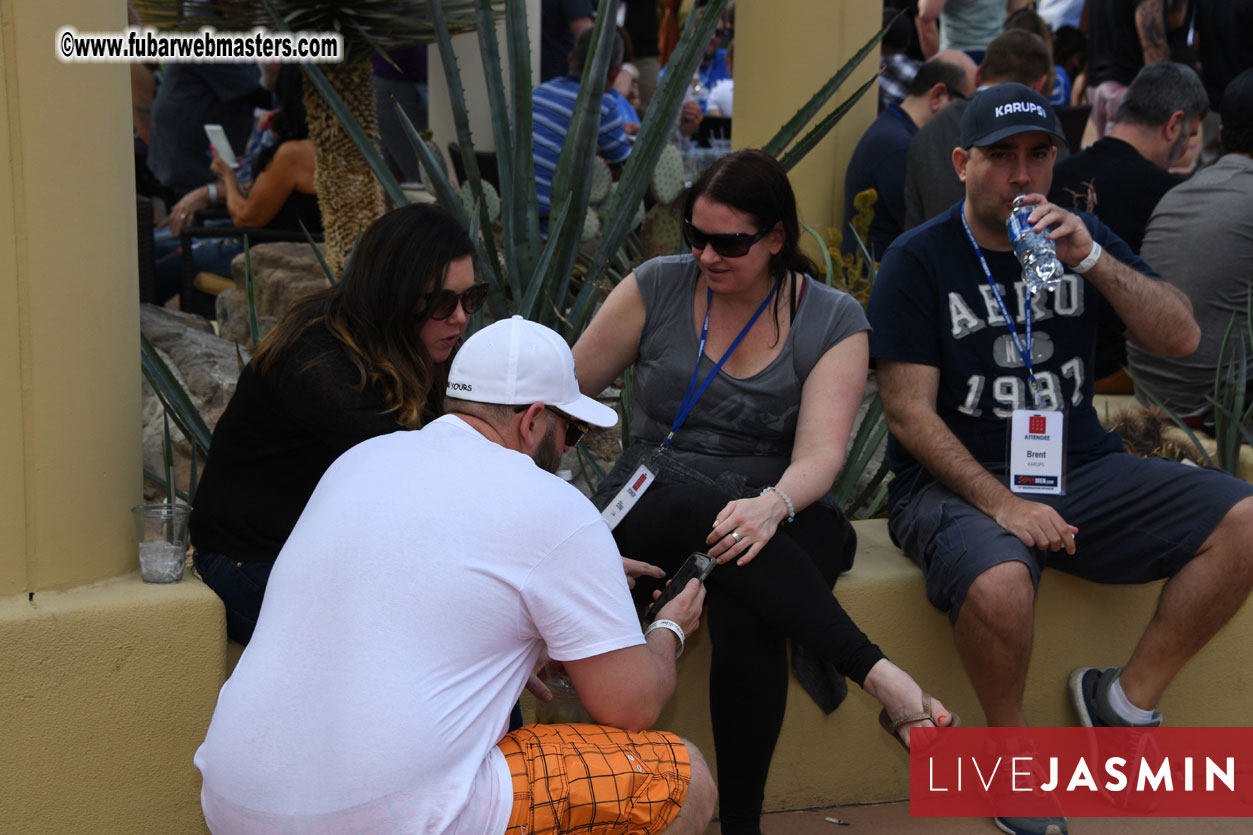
(1089, 691)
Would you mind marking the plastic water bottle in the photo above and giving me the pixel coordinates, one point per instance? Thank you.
(700, 93)
(1038, 255)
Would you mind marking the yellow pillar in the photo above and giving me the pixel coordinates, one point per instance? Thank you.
(106, 684)
(70, 372)
(783, 53)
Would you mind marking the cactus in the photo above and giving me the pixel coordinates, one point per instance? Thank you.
(601, 179)
(662, 233)
(491, 201)
(667, 178)
(591, 225)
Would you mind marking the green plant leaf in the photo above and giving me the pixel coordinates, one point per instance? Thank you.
(822, 247)
(543, 271)
(461, 121)
(173, 397)
(489, 50)
(167, 457)
(820, 130)
(317, 253)
(525, 203)
(792, 128)
(1170, 413)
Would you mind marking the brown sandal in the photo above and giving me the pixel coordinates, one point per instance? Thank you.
(926, 715)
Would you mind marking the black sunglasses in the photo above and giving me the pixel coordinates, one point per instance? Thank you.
(735, 245)
(575, 428)
(444, 303)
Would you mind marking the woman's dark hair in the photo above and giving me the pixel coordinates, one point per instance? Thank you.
(753, 182)
(289, 122)
(378, 305)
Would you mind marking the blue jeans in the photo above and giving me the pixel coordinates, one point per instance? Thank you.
(241, 585)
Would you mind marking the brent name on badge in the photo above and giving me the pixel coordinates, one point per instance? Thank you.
(1036, 451)
(622, 503)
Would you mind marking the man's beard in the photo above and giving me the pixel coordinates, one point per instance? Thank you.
(546, 456)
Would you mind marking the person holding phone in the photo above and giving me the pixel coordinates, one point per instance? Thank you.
(748, 376)
(364, 357)
(275, 191)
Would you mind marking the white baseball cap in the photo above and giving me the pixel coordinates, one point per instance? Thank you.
(517, 362)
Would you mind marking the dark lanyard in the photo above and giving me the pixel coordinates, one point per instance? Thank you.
(1024, 351)
(693, 393)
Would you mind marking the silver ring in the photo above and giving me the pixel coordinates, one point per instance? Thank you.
(736, 537)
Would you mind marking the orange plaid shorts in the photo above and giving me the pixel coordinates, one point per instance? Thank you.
(594, 779)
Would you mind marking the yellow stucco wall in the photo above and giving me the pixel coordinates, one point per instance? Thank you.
(783, 54)
(70, 371)
(106, 684)
(105, 693)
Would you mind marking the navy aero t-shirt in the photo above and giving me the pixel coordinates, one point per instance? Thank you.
(932, 305)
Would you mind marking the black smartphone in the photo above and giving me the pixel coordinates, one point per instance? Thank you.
(696, 565)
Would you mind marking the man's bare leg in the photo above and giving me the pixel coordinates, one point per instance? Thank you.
(698, 806)
(993, 634)
(1194, 605)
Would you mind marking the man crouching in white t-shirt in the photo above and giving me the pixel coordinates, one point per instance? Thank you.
(406, 612)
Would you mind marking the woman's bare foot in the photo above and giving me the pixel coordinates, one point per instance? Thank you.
(902, 699)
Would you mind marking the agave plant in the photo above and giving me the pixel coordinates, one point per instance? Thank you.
(349, 195)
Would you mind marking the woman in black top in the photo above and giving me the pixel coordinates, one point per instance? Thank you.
(364, 357)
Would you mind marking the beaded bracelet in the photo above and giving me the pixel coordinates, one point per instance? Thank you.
(791, 508)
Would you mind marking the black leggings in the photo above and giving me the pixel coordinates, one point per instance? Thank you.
(785, 592)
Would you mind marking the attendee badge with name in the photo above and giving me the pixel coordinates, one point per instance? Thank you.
(630, 493)
(1037, 451)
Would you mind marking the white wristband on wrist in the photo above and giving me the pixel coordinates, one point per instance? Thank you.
(673, 627)
(1089, 262)
(213, 194)
(791, 508)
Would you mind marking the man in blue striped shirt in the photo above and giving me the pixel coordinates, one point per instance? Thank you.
(554, 109)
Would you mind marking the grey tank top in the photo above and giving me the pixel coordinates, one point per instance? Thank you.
(741, 424)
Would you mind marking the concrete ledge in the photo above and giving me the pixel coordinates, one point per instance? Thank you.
(106, 691)
(846, 758)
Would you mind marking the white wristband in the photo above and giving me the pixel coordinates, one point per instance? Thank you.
(213, 194)
(673, 627)
(1089, 262)
(791, 508)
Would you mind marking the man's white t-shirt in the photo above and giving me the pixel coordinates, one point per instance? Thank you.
(400, 623)
(721, 97)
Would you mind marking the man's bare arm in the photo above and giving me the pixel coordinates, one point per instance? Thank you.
(1151, 26)
(627, 688)
(909, 393)
(928, 29)
(1157, 315)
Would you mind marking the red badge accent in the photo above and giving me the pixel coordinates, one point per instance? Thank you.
(643, 478)
(1037, 425)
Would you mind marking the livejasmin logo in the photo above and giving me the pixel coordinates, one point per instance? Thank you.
(1022, 774)
(1081, 772)
(1020, 107)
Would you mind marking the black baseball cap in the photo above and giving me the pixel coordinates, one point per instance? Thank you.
(1005, 110)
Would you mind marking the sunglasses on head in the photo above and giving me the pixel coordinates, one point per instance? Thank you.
(575, 428)
(444, 303)
(735, 245)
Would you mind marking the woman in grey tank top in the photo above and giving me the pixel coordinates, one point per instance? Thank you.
(749, 460)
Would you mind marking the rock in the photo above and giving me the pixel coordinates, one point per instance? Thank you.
(282, 272)
(206, 365)
(232, 316)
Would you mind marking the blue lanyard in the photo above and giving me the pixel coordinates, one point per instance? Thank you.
(1024, 351)
(693, 393)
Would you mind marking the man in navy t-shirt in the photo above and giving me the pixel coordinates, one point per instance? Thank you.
(964, 354)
